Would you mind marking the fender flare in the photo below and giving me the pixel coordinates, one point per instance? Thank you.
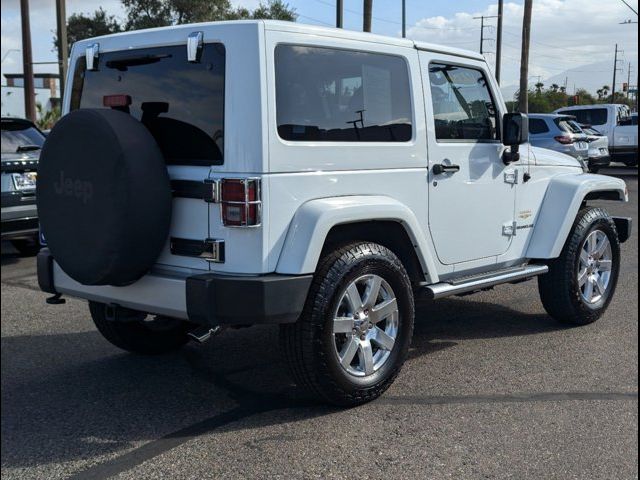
(314, 219)
(560, 206)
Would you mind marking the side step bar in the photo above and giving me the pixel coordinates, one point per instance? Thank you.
(446, 289)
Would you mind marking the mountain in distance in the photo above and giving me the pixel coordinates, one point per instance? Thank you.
(590, 77)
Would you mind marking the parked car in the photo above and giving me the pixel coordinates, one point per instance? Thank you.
(615, 121)
(315, 178)
(560, 133)
(21, 144)
(599, 156)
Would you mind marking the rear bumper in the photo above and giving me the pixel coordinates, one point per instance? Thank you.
(206, 299)
(600, 161)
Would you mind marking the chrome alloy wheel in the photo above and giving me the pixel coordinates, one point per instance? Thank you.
(365, 325)
(594, 272)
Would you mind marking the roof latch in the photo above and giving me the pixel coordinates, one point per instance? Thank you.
(194, 46)
(91, 55)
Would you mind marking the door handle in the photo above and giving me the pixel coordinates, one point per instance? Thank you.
(440, 168)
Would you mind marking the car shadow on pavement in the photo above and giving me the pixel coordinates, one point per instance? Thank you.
(72, 396)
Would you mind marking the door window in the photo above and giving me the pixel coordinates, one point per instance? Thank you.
(463, 107)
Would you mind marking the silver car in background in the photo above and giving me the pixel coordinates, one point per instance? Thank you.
(560, 133)
(599, 156)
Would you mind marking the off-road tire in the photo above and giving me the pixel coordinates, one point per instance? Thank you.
(137, 336)
(559, 289)
(308, 346)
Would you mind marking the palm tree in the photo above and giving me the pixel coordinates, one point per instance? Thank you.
(555, 87)
(539, 87)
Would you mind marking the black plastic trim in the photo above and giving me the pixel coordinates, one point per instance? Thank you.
(214, 299)
(44, 262)
(624, 226)
(193, 189)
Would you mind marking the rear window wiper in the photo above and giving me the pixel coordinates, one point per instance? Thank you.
(28, 148)
(123, 63)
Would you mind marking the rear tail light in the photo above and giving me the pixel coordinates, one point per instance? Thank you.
(240, 202)
(564, 139)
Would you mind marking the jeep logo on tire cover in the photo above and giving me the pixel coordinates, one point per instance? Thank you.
(68, 187)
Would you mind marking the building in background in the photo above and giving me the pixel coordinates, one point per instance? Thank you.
(47, 90)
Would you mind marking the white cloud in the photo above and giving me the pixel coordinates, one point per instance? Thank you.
(565, 35)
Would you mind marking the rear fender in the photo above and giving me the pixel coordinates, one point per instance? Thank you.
(314, 219)
(562, 201)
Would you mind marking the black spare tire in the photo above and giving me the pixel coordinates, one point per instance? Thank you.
(104, 197)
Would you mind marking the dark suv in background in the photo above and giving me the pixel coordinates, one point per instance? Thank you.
(21, 144)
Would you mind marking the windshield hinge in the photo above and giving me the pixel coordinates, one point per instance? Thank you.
(194, 46)
(91, 55)
(511, 177)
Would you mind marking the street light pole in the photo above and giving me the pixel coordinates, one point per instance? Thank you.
(339, 13)
(366, 16)
(61, 25)
(404, 18)
(499, 40)
(524, 57)
(27, 66)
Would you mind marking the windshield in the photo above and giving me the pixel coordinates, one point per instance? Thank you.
(18, 135)
(589, 116)
(181, 103)
(567, 125)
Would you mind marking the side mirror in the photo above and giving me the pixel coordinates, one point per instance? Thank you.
(515, 132)
(515, 129)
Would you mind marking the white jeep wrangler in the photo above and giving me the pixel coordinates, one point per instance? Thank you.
(238, 173)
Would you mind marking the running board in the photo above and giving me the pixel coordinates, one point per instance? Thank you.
(446, 289)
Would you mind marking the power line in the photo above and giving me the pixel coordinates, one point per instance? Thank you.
(630, 7)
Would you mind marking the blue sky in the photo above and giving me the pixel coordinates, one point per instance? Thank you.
(567, 34)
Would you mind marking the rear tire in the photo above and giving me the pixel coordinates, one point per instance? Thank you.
(138, 335)
(354, 333)
(582, 280)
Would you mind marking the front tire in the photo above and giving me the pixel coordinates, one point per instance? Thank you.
(581, 282)
(354, 333)
(136, 334)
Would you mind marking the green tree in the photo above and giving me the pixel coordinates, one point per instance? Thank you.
(47, 119)
(81, 26)
(158, 13)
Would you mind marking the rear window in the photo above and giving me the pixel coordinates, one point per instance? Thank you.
(181, 103)
(590, 116)
(325, 94)
(18, 135)
(537, 126)
(568, 126)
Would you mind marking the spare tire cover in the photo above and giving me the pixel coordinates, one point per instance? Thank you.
(104, 197)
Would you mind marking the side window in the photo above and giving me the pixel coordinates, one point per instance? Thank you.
(326, 94)
(537, 126)
(463, 106)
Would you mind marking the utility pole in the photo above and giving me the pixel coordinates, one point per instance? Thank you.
(366, 16)
(404, 18)
(61, 25)
(524, 57)
(27, 65)
(629, 81)
(482, 27)
(339, 14)
(499, 40)
(615, 73)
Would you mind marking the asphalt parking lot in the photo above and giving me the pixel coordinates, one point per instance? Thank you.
(493, 388)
